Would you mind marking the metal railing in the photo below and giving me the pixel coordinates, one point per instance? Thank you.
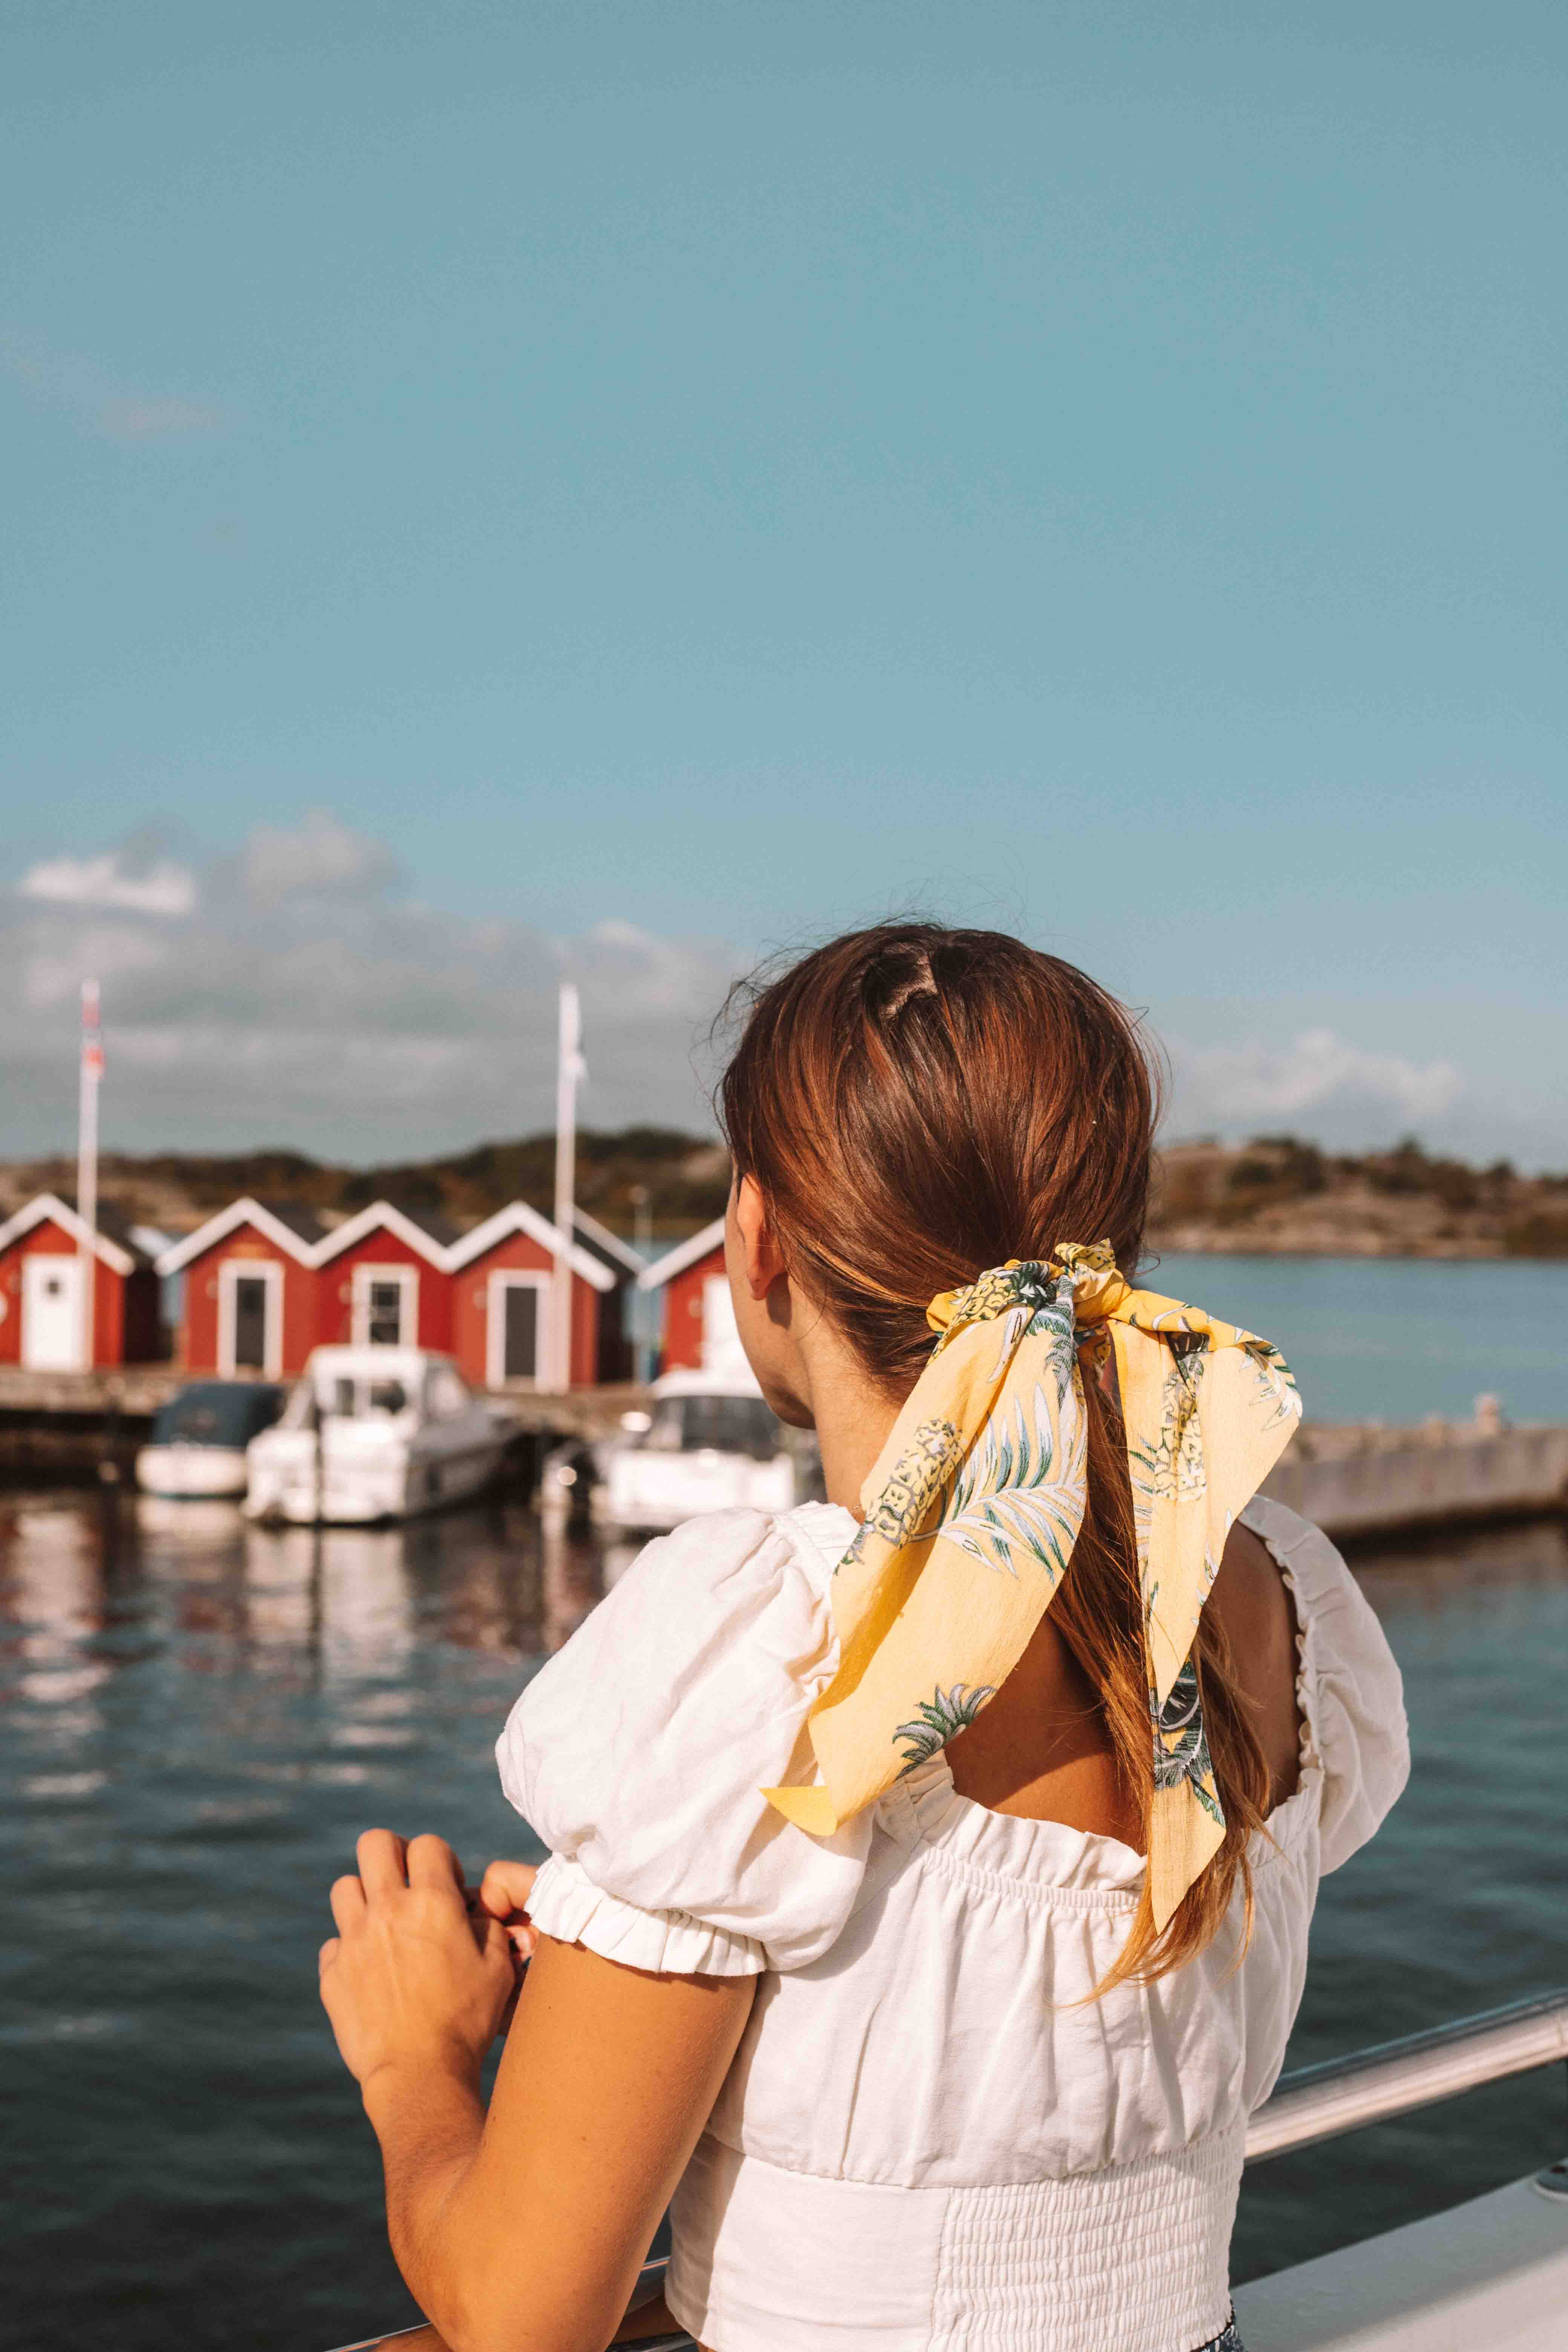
(1370, 2086)
(1317, 2103)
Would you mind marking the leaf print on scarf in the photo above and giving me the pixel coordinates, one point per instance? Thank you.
(1276, 1382)
(942, 1717)
(1012, 1493)
(1181, 1744)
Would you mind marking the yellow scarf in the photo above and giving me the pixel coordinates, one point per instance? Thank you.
(975, 1506)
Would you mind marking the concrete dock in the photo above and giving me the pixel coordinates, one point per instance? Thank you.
(1368, 1481)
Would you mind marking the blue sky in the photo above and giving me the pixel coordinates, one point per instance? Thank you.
(495, 492)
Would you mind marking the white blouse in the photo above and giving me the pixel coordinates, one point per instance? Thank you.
(930, 2136)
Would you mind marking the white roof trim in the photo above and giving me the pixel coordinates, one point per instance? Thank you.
(46, 1208)
(381, 1215)
(684, 1253)
(622, 1251)
(517, 1217)
(245, 1212)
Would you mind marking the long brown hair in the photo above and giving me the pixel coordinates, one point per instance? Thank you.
(916, 1104)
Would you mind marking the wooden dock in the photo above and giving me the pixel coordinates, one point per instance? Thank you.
(72, 1427)
(1357, 1483)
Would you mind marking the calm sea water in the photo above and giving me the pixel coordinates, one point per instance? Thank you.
(1396, 1338)
(196, 1718)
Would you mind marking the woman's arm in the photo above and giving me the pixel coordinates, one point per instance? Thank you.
(524, 2227)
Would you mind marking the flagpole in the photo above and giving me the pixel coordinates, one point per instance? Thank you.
(568, 1069)
(86, 1167)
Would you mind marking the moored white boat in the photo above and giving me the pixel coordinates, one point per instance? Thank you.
(708, 1444)
(198, 1447)
(373, 1432)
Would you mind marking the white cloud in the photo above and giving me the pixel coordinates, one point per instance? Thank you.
(318, 855)
(112, 880)
(296, 992)
(293, 992)
(1319, 1080)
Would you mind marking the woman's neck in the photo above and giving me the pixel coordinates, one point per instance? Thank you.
(851, 1416)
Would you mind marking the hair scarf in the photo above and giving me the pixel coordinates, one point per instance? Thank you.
(974, 1505)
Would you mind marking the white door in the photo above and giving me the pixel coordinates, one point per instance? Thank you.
(722, 1348)
(51, 1314)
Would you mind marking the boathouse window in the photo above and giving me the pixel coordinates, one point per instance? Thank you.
(385, 1306)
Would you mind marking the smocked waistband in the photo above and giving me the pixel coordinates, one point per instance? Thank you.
(1131, 2258)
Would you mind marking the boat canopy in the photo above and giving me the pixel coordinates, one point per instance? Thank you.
(695, 1423)
(375, 1383)
(218, 1412)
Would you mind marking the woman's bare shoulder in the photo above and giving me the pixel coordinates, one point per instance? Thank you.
(1253, 1605)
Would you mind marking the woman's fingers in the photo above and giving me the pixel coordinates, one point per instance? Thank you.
(347, 1899)
(383, 1862)
(506, 1887)
(327, 1955)
(432, 1863)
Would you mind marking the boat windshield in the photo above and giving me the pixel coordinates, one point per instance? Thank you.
(346, 1399)
(726, 1424)
(218, 1413)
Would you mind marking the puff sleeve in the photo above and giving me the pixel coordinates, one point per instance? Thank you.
(1353, 1698)
(640, 1753)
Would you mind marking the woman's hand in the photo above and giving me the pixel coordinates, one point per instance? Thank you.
(503, 1890)
(414, 1978)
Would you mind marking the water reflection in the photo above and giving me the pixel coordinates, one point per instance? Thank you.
(1425, 1577)
(86, 1584)
(84, 1588)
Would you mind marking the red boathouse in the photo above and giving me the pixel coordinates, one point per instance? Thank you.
(698, 1322)
(42, 1274)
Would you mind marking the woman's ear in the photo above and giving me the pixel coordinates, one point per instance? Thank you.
(760, 1252)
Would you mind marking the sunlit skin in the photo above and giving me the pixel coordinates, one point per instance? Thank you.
(522, 2228)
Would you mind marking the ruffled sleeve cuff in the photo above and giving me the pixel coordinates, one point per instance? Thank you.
(565, 1904)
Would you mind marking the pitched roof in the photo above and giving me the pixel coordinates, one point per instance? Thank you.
(603, 1243)
(431, 1236)
(297, 1215)
(684, 1253)
(112, 1244)
(291, 1228)
(299, 1233)
(517, 1217)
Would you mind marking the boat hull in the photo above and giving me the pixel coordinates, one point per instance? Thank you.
(180, 1471)
(402, 1485)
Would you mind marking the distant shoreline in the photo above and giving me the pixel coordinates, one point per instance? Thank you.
(1220, 1242)
(1278, 1196)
